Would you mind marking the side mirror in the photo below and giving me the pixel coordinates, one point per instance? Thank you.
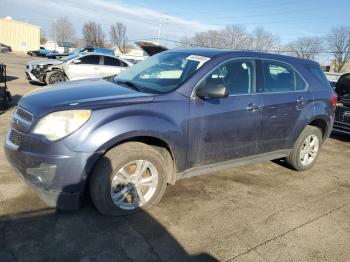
(212, 91)
(77, 61)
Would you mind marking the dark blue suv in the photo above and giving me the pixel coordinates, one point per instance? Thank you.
(179, 113)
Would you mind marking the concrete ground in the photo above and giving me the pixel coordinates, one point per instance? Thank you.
(262, 212)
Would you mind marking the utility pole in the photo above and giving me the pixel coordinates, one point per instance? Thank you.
(160, 27)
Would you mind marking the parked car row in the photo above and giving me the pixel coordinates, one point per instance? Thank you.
(86, 62)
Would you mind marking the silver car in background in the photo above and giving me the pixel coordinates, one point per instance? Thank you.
(77, 66)
(35, 69)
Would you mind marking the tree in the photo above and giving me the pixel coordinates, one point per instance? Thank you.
(62, 30)
(211, 38)
(236, 37)
(262, 40)
(338, 41)
(93, 34)
(306, 47)
(118, 37)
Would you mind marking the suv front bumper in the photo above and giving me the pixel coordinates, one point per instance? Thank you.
(55, 172)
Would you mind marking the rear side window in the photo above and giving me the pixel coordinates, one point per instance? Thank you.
(280, 77)
(110, 61)
(90, 60)
(317, 73)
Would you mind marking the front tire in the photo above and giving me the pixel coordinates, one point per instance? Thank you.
(54, 77)
(306, 149)
(129, 177)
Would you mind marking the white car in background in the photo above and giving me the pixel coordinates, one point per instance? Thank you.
(90, 65)
(75, 66)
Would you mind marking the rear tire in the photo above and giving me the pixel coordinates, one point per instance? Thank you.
(306, 149)
(54, 77)
(116, 187)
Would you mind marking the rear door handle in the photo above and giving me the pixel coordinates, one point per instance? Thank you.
(252, 107)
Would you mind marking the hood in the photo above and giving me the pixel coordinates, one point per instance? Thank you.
(45, 62)
(150, 48)
(89, 93)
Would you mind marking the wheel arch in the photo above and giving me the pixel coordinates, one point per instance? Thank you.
(54, 69)
(160, 145)
(322, 125)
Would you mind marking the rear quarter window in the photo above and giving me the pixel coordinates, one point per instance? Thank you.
(318, 74)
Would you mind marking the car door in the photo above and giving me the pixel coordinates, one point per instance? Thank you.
(111, 66)
(226, 128)
(285, 95)
(83, 67)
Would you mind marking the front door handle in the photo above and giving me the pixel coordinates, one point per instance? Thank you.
(252, 107)
(300, 100)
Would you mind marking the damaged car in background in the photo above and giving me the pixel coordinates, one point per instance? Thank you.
(342, 113)
(76, 66)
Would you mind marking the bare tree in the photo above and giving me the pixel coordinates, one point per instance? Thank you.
(306, 47)
(93, 34)
(62, 30)
(236, 37)
(118, 36)
(262, 40)
(338, 41)
(211, 38)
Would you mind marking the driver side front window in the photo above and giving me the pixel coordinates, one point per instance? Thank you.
(237, 75)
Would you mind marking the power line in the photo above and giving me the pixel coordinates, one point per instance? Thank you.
(270, 50)
(268, 14)
(237, 9)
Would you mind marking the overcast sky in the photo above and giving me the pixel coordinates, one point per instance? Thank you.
(287, 18)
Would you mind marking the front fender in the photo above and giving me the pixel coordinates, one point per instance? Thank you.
(105, 132)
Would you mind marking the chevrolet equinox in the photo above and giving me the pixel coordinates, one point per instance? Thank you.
(180, 113)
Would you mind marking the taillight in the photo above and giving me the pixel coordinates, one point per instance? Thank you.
(334, 100)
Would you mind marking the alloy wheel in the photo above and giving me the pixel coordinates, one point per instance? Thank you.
(309, 150)
(134, 184)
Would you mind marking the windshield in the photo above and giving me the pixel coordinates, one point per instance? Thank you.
(66, 58)
(161, 73)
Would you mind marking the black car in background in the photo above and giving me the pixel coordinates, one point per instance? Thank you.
(342, 113)
(5, 48)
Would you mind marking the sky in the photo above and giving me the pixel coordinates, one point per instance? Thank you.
(289, 19)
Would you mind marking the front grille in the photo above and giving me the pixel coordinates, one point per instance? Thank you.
(25, 115)
(16, 137)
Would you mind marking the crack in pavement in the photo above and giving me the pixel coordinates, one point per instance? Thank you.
(289, 231)
(147, 241)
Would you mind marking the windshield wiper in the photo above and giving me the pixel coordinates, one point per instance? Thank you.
(130, 85)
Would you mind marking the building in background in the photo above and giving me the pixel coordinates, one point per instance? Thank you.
(21, 36)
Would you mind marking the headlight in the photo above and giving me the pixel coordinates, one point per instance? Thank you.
(57, 125)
